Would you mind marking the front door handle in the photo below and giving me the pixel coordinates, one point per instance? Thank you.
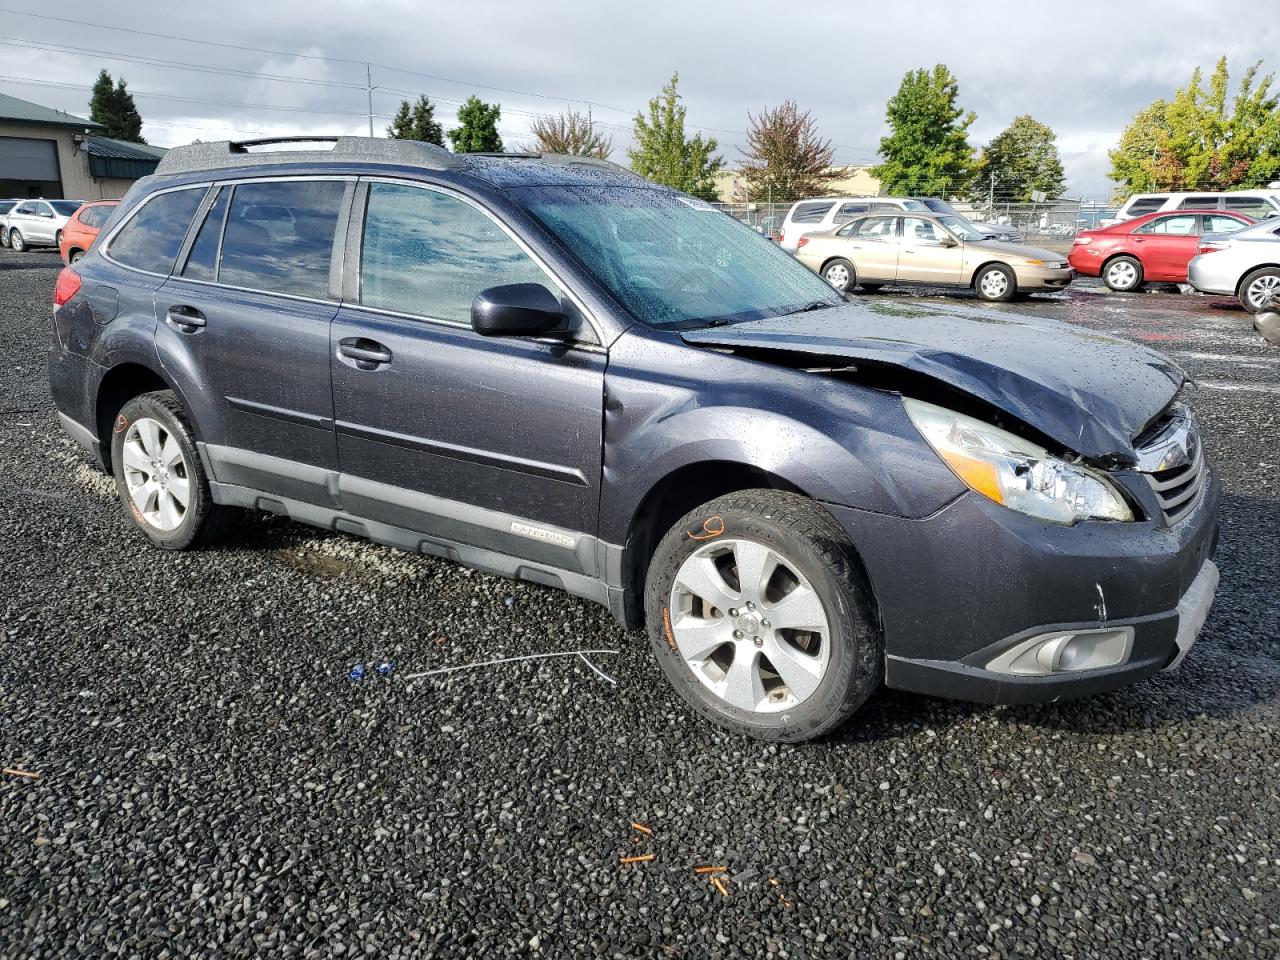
(186, 319)
(366, 354)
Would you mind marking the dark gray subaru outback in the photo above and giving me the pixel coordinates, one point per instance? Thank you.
(549, 368)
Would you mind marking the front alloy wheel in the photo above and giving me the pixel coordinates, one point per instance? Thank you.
(749, 625)
(761, 618)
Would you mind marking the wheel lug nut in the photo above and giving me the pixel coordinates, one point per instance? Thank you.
(737, 634)
(766, 624)
(759, 641)
(733, 611)
(750, 605)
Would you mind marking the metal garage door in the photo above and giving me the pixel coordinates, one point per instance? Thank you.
(22, 158)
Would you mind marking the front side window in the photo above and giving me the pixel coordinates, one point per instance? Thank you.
(29, 209)
(150, 240)
(1180, 226)
(279, 236)
(1199, 203)
(914, 228)
(431, 254)
(849, 211)
(672, 261)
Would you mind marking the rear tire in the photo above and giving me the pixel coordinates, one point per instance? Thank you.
(77, 256)
(769, 679)
(17, 242)
(841, 274)
(871, 287)
(159, 476)
(1123, 274)
(1260, 287)
(995, 283)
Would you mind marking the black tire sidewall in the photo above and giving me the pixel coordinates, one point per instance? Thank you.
(1009, 293)
(16, 238)
(154, 406)
(853, 274)
(854, 651)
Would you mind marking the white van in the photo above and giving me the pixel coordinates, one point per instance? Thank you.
(1258, 204)
(813, 216)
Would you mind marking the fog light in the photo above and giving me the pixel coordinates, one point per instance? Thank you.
(1067, 651)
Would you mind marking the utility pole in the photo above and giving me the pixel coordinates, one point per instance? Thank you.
(368, 87)
(991, 196)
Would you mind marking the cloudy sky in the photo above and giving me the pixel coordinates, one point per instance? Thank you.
(292, 67)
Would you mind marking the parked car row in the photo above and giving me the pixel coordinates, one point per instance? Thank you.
(69, 225)
(1255, 204)
(821, 216)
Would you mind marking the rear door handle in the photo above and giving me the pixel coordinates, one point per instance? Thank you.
(186, 319)
(366, 354)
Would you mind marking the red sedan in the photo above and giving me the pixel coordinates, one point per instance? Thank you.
(1157, 246)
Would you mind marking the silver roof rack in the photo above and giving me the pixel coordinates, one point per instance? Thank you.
(239, 153)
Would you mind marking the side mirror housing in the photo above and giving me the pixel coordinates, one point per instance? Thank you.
(518, 310)
(948, 242)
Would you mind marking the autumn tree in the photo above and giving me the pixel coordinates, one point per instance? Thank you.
(477, 130)
(665, 155)
(111, 104)
(1021, 159)
(1202, 138)
(786, 158)
(570, 133)
(927, 150)
(417, 121)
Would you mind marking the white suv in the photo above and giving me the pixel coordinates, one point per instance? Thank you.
(1258, 204)
(38, 223)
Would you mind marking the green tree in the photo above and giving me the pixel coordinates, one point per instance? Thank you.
(417, 121)
(570, 133)
(1021, 159)
(786, 159)
(477, 131)
(111, 104)
(927, 151)
(664, 155)
(1202, 138)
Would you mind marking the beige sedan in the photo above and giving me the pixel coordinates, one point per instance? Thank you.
(937, 250)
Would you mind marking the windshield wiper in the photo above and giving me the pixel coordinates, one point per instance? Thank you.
(816, 305)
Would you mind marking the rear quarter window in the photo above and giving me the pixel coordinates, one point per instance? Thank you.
(151, 238)
(1144, 205)
(810, 212)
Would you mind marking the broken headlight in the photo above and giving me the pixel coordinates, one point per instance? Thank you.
(1015, 472)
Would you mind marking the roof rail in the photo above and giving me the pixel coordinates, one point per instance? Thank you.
(564, 159)
(237, 153)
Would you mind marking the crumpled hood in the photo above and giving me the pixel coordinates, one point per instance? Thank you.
(1090, 392)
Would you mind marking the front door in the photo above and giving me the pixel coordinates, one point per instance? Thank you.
(244, 326)
(1166, 245)
(928, 254)
(486, 442)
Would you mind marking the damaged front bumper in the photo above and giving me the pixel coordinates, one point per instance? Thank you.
(981, 603)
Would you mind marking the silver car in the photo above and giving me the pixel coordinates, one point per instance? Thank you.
(1241, 264)
(38, 223)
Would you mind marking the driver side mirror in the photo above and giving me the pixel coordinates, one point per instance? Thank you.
(947, 242)
(518, 310)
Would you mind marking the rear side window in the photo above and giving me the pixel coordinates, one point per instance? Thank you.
(810, 212)
(94, 216)
(1183, 225)
(1256, 207)
(1199, 203)
(279, 236)
(1217, 224)
(430, 254)
(1144, 205)
(850, 210)
(151, 238)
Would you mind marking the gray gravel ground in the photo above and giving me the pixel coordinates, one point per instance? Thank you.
(212, 785)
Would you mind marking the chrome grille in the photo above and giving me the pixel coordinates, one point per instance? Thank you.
(1173, 461)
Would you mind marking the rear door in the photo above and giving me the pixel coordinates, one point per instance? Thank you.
(927, 253)
(873, 248)
(244, 324)
(1166, 245)
(489, 442)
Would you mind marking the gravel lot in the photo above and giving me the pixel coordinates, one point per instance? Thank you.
(212, 784)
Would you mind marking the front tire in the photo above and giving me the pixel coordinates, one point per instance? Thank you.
(871, 287)
(159, 476)
(760, 617)
(17, 242)
(841, 274)
(1260, 288)
(995, 283)
(1123, 274)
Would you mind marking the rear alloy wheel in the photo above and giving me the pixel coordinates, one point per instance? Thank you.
(840, 274)
(995, 283)
(17, 241)
(760, 618)
(1260, 289)
(159, 477)
(77, 256)
(1123, 274)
